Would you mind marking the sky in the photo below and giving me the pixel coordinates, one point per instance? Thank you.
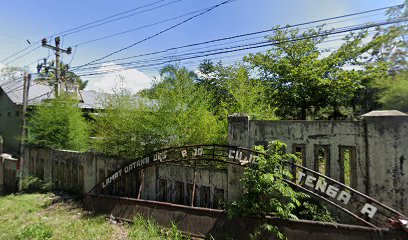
(22, 20)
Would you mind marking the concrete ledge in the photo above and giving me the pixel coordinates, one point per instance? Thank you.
(205, 222)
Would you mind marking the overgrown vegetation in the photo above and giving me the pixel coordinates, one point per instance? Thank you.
(59, 123)
(174, 112)
(267, 192)
(31, 184)
(35, 216)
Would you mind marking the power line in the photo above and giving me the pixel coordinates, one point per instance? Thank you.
(138, 28)
(161, 32)
(167, 56)
(245, 46)
(15, 59)
(260, 45)
(14, 54)
(84, 25)
(242, 35)
(116, 19)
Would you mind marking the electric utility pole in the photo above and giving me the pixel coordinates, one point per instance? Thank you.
(26, 87)
(58, 52)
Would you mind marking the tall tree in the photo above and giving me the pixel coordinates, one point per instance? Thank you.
(303, 79)
(68, 78)
(174, 112)
(233, 90)
(59, 123)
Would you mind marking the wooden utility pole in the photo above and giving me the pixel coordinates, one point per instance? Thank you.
(26, 87)
(58, 51)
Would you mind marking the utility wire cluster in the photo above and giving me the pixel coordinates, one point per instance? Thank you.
(163, 58)
(232, 47)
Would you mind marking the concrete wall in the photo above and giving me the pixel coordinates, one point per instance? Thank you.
(380, 144)
(1, 176)
(8, 173)
(177, 179)
(10, 124)
(78, 172)
(387, 159)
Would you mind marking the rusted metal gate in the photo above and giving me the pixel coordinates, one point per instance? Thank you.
(364, 209)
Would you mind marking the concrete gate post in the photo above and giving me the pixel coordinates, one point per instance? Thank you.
(238, 130)
(386, 134)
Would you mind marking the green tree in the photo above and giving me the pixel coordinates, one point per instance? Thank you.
(126, 126)
(395, 93)
(186, 105)
(383, 65)
(233, 90)
(67, 77)
(301, 77)
(174, 112)
(265, 191)
(58, 123)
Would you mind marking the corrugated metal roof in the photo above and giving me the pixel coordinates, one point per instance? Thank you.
(39, 92)
(91, 99)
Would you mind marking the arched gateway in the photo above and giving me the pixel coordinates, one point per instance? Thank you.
(363, 208)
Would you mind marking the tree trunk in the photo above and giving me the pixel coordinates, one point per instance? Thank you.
(303, 114)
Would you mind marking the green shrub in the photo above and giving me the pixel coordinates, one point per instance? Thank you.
(313, 210)
(33, 184)
(266, 191)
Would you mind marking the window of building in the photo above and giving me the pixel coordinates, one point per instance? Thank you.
(179, 199)
(300, 151)
(17, 113)
(347, 164)
(190, 194)
(218, 198)
(322, 159)
(205, 197)
(162, 193)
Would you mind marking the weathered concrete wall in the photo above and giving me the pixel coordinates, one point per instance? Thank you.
(211, 184)
(379, 144)
(79, 172)
(1, 175)
(8, 173)
(387, 157)
(10, 114)
(71, 171)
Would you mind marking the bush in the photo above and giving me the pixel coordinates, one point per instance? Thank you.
(266, 191)
(32, 184)
(59, 124)
(313, 210)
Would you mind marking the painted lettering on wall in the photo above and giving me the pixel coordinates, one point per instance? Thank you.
(329, 191)
(240, 156)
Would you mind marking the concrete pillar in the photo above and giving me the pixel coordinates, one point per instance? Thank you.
(238, 130)
(1, 144)
(234, 175)
(1, 174)
(386, 134)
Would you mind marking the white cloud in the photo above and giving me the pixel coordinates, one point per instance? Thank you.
(133, 79)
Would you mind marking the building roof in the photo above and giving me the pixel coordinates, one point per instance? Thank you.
(384, 113)
(40, 91)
